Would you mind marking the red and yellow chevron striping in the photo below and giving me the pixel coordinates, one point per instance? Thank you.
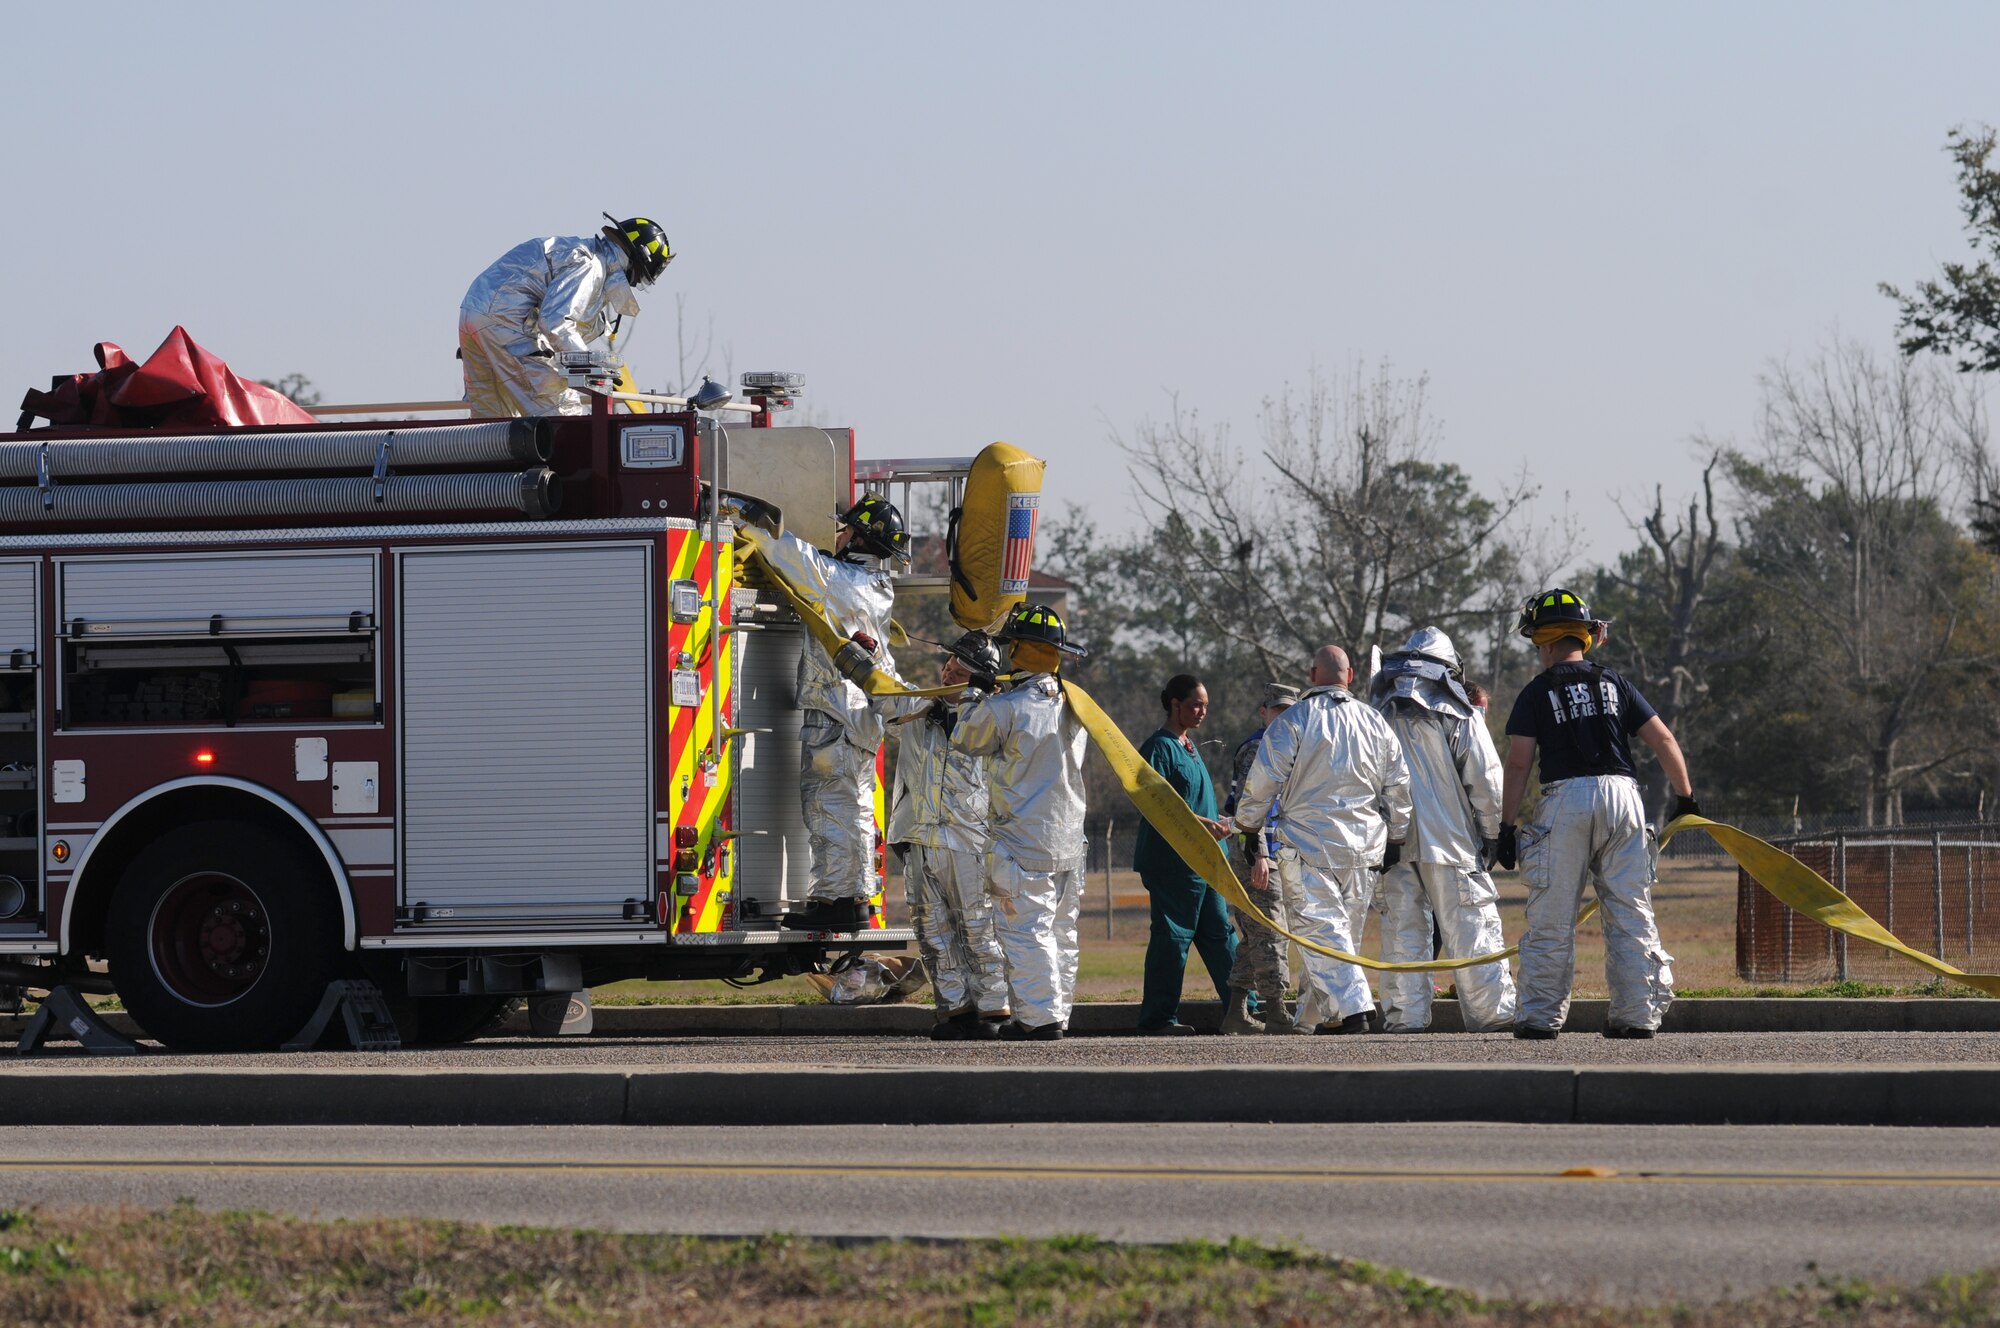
(695, 883)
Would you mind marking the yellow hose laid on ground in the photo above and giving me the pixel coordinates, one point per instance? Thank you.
(1789, 880)
(1805, 891)
(1168, 813)
(1152, 795)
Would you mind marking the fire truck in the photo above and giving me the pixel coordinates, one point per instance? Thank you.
(472, 709)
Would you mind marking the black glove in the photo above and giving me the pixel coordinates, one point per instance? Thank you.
(985, 682)
(1391, 855)
(1489, 853)
(1507, 848)
(1684, 805)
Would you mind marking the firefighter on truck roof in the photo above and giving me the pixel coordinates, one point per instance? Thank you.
(841, 729)
(547, 296)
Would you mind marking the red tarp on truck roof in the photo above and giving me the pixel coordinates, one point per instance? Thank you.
(180, 386)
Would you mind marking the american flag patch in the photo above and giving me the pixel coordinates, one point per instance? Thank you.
(1021, 511)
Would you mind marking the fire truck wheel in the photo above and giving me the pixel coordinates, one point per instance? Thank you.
(440, 1020)
(223, 936)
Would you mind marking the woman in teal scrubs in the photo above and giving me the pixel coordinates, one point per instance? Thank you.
(1186, 910)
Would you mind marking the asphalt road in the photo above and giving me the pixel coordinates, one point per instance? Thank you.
(1692, 1049)
(1670, 1213)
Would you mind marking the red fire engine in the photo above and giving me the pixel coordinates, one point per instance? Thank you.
(473, 709)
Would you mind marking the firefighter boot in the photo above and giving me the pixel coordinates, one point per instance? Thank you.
(1354, 1023)
(1016, 1031)
(966, 1026)
(951, 1028)
(1236, 1020)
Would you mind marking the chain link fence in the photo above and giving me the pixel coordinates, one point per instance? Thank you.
(1936, 886)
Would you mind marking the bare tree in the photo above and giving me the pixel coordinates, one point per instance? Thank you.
(691, 351)
(1349, 530)
(1684, 558)
(1847, 525)
(1662, 588)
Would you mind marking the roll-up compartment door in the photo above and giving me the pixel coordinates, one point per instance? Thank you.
(773, 857)
(17, 610)
(141, 596)
(526, 732)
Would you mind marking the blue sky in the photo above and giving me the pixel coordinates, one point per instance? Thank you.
(1591, 225)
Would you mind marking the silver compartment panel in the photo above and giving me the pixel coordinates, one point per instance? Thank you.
(526, 730)
(773, 859)
(180, 593)
(17, 607)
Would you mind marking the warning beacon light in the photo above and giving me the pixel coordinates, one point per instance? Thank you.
(204, 758)
(773, 390)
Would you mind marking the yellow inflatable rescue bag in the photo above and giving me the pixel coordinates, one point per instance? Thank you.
(992, 538)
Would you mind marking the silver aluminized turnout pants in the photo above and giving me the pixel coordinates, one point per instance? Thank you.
(837, 796)
(953, 919)
(1035, 914)
(1585, 830)
(1329, 906)
(1466, 907)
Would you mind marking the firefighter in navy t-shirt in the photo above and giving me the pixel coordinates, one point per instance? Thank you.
(1588, 826)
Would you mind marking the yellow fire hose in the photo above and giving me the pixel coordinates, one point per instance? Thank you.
(1805, 891)
(1784, 876)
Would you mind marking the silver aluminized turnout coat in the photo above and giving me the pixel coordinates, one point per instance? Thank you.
(940, 797)
(1330, 777)
(841, 730)
(859, 598)
(538, 299)
(1035, 856)
(1035, 781)
(1454, 768)
(1455, 797)
(939, 812)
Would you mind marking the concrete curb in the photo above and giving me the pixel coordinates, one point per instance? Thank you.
(1714, 1014)
(1907, 1095)
(1707, 1015)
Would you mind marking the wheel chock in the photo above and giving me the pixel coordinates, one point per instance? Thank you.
(64, 1013)
(560, 1014)
(369, 1025)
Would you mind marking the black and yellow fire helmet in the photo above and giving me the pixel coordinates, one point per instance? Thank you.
(1038, 622)
(878, 528)
(647, 252)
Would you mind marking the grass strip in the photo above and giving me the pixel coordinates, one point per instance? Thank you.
(84, 1267)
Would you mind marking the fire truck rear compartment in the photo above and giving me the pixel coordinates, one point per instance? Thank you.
(527, 735)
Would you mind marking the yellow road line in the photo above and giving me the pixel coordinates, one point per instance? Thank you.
(920, 1171)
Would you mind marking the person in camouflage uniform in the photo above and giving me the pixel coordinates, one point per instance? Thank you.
(1260, 952)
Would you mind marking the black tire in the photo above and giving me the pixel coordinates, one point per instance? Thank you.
(436, 1021)
(222, 937)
